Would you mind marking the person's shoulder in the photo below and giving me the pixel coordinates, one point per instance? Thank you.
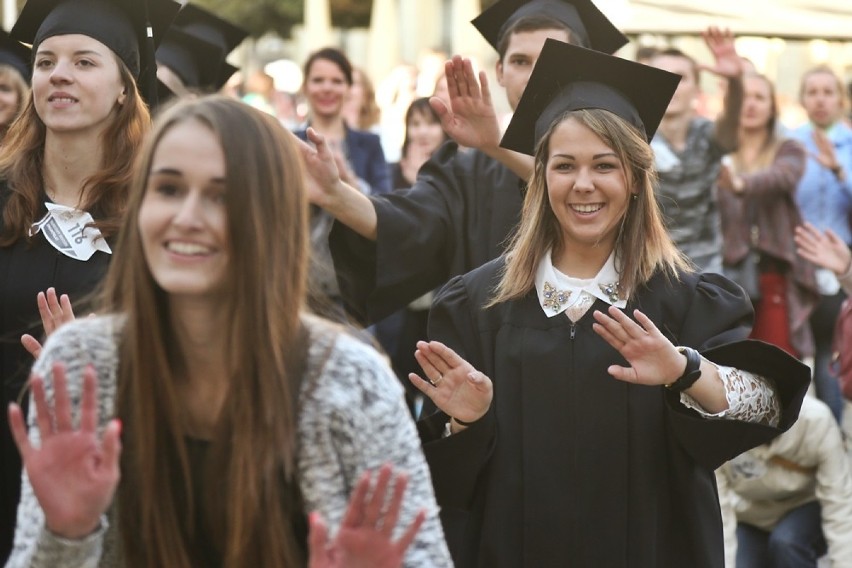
(789, 145)
(815, 411)
(481, 280)
(92, 340)
(343, 364)
(364, 137)
(97, 330)
(844, 132)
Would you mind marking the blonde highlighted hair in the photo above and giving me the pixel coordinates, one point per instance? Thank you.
(643, 245)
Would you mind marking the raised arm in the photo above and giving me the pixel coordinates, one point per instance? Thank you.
(471, 119)
(327, 190)
(727, 64)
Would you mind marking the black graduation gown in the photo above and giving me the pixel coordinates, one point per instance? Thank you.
(571, 467)
(25, 270)
(455, 218)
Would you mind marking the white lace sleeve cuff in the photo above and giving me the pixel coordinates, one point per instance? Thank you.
(751, 398)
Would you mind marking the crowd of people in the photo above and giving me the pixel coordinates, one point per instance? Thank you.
(575, 337)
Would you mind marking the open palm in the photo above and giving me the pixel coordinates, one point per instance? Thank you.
(470, 119)
(721, 45)
(653, 359)
(452, 383)
(73, 473)
(365, 538)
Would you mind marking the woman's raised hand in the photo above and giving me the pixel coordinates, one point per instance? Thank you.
(54, 311)
(74, 471)
(720, 42)
(451, 382)
(323, 172)
(652, 358)
(365, 537)
(823, 249)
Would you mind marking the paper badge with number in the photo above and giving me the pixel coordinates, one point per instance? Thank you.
(65, 228)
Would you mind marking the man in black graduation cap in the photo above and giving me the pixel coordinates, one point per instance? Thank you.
(592, 440)
(390, 249)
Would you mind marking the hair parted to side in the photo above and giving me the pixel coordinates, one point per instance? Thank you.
(252, 465)
(534, 24)
(104, 194)
(335, 56)
(643, 245)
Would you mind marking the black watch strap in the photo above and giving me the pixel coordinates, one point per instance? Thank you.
(691, 373)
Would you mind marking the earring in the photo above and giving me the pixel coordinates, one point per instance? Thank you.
(635, 196)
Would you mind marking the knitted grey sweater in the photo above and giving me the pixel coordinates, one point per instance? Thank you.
(353, 418)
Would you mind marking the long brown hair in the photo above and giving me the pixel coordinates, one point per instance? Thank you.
(769, 148)
(253, 449)
(643, 245)
(22, 161)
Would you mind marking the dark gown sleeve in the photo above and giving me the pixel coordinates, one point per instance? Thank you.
(456, 461)
(413, 250)
(716, 323)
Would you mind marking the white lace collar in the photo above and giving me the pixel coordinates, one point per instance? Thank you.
(557, 291)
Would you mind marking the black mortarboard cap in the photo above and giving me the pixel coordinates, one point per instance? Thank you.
(210, 27)
(16, 55)
(582, 16)
(567, 77)
(130, 28)
(194, 60)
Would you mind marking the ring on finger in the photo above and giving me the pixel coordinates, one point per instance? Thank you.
(437, 381)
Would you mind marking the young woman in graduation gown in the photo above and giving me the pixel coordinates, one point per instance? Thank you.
(64, 170)
(458, 214)
(589, 382)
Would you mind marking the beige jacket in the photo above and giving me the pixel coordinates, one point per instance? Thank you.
(806, 463)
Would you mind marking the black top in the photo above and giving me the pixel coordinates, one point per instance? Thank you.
(27, 268)
(205, 552)
(573, 466)
(454, 218)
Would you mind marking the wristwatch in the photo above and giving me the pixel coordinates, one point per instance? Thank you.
(691, 373)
